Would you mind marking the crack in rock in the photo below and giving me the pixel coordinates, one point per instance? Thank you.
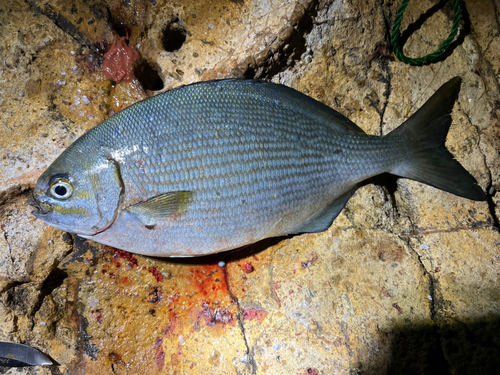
(287, 46)
(61, 22)
(12, 193)
(249, 358)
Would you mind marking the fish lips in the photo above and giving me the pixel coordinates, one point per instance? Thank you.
(41, 209)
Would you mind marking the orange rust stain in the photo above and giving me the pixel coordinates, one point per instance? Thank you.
(209, 280)
(175, 359)
(174, 325)
(173, 298)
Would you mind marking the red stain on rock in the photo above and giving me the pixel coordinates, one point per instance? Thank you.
(119, 61)
(157, 274)
(116, 358)
(276, 286)
(253, 313)
(160, 354)
(97, 314)
(209, 280)
(247, 268)
(175, 324)
(388, 252)
(128, 257)
(214, 316)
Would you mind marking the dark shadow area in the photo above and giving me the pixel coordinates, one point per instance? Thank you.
(148, 77)
(387, 180)
(174, 35)
(53, 281)
(118, 25)
(291, 47)
(447, 8)
(80, 248)
(227, 256)
(450, 347)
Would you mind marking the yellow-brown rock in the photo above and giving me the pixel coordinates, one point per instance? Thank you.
(407, 278)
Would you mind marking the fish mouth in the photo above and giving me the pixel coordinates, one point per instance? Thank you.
(41, 209)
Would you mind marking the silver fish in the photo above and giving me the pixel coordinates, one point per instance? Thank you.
(216, 165)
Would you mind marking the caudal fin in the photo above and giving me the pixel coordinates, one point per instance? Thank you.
(424, 135)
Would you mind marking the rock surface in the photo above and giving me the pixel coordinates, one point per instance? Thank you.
(405, 280)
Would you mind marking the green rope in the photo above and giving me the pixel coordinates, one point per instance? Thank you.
(431, 57)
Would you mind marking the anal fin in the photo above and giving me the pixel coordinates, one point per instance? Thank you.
(323, 219)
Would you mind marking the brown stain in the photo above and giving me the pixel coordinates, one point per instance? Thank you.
(155, 295)
(254, 314)
(388, 252)
(156, 273)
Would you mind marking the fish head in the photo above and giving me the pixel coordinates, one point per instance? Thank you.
(79, 193)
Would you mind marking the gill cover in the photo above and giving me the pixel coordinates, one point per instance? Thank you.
(79, 196)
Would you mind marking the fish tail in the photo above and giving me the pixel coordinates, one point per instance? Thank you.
(423, 137)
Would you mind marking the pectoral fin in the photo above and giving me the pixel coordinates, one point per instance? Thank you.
(323, 219)
(160, 208)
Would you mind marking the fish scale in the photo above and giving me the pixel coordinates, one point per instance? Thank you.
(217, 165)
(278, 150)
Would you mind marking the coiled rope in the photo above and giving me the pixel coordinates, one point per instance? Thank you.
(432, 56)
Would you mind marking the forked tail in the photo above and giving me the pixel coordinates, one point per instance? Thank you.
(427, 159)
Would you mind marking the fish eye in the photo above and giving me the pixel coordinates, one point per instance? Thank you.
(61, 189)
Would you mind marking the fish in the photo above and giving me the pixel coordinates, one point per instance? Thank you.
(217, 165)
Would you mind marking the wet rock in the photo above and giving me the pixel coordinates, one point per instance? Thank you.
(405, 279)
